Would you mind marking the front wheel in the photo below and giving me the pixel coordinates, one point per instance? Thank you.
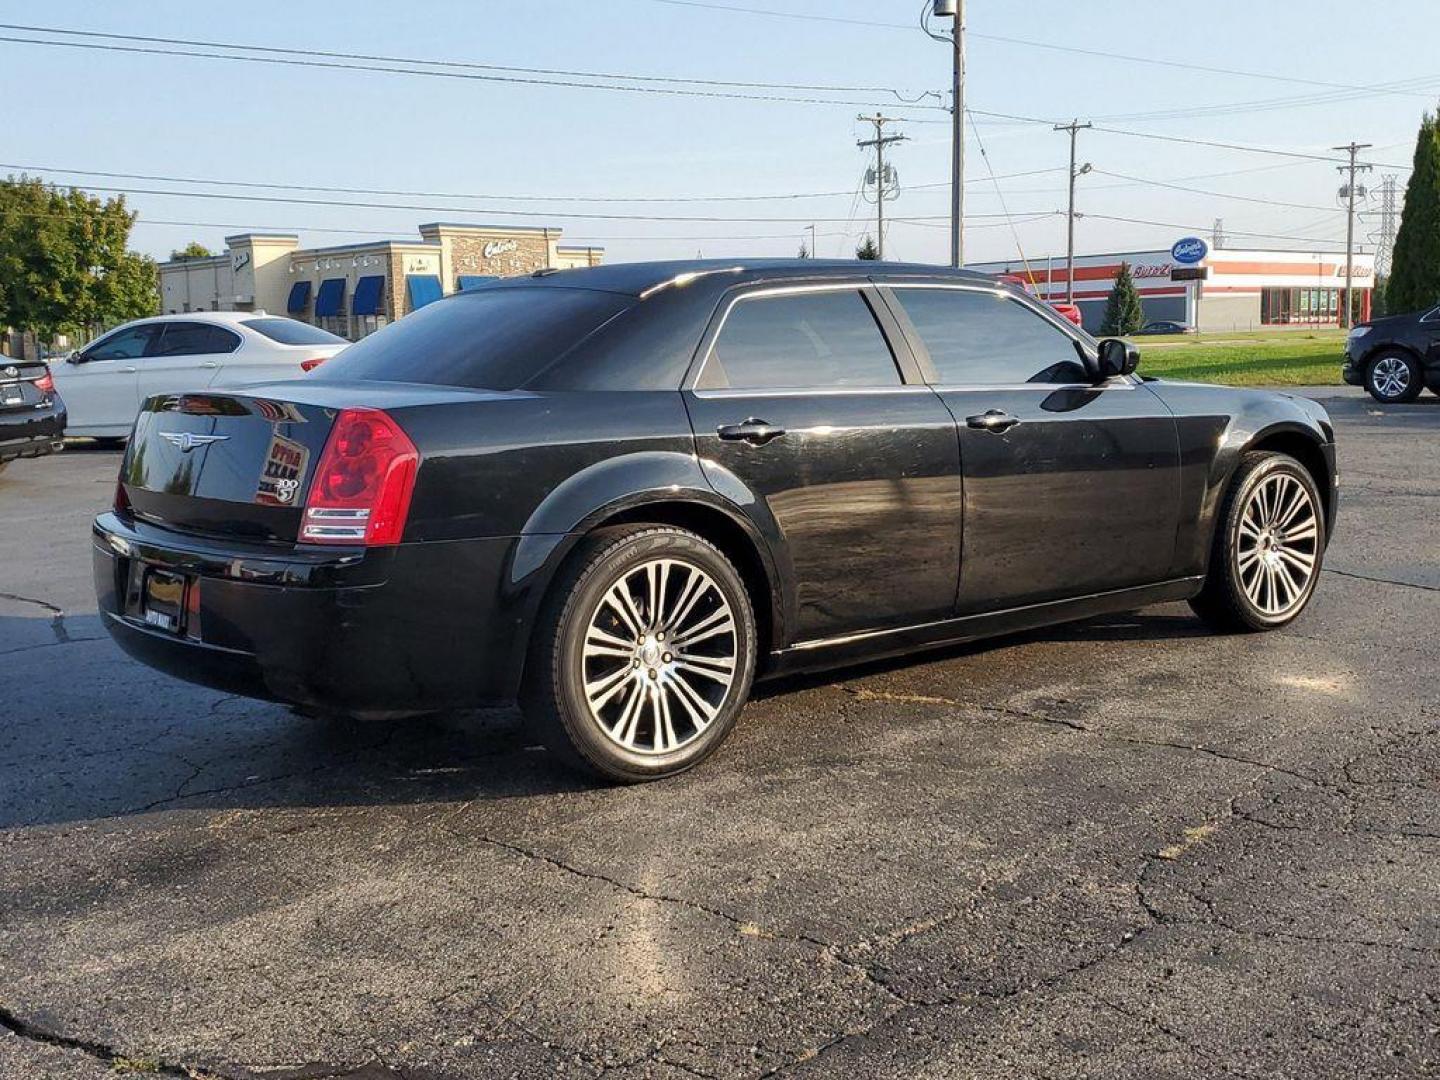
(643, 656)
(1394, 378)
(1269, 544)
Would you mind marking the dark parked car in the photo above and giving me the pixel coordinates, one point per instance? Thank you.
(621, 494)
(32, 416)
(1395, 358)
(1163, 327)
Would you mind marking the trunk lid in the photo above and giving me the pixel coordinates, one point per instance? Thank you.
(239, 463)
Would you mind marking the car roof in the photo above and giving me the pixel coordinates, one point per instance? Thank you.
(229, 318)
(641, 278)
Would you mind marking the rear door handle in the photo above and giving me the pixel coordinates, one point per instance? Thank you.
(755, 432)
(209, 364)
(128, 370)
(992, 420)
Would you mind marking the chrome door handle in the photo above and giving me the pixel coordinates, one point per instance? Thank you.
(992, 420)
(128, 370)
(209, 364)
(755, 432)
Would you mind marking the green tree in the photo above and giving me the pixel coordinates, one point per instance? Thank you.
(1123, 313)
(1415, 267)
(193, 250)
(64, 267)
(867, 250)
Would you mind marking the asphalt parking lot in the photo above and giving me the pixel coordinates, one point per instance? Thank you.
(1124, 848)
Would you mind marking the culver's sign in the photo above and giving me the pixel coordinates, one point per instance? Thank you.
(1189, 251)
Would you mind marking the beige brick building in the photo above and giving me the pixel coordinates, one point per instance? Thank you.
(355, 289)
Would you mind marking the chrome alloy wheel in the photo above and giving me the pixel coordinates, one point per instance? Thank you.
(1391, 376)
(1278, 545)
(659, 657)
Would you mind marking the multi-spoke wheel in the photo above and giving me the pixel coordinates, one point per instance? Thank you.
(1269, 544)
(1394, 377)
(645, 654)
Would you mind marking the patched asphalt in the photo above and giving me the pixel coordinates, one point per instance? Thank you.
(1122, 848)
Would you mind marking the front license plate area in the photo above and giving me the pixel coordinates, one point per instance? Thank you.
(163, 600)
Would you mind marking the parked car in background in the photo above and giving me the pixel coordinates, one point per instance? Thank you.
(104, 383)
(622, 493)
(32, 416)
(1395, 357)
(1163, 326)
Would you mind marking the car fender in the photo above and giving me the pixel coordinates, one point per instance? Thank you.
(619, 487)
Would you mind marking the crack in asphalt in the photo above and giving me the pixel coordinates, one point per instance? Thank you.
(1380, 580)
(57, 616)
(109, 1055)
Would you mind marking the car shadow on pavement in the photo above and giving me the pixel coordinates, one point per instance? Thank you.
(92, 734)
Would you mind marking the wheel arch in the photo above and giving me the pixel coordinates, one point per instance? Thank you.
(1305, 447)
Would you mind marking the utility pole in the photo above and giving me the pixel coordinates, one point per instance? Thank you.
(813, 253)
(955, 9)
(1349, 192)
(884, 185)
(1074, 128)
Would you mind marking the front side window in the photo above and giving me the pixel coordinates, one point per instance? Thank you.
(803, 340)
(983, 338)
(195, 339)
(125, 345)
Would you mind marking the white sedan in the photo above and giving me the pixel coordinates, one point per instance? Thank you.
(104, 383)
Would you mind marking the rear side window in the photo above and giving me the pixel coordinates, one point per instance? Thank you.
(800, 340)
(293, 332)
(194, 339)
(986, 338)
(490, 339)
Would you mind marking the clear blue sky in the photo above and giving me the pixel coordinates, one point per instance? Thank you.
(191, 117)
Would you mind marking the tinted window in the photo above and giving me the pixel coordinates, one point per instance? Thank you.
(814, 339)
(293, 332)
(495, 339)
(194, 339)
(983, 337)
(125, 345)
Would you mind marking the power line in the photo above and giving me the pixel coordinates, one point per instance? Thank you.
(1104, 54)
(1213, 194)
(391, 69)
(457, 195)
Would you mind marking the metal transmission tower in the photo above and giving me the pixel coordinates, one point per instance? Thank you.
(1217, 234)
(882, 177)
(1389, 214)
(1074, 128)
(1348, 192)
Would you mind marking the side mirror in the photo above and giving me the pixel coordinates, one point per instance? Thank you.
(73, 357)
(1116, 357)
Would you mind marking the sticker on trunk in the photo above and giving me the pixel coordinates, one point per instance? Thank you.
(285, 462)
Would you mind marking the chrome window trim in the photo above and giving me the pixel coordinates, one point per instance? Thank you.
(861, 286)
(809, 391)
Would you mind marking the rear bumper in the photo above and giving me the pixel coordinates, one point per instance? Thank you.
(31, 434)
(413, 627)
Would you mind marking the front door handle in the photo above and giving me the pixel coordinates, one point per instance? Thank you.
(209, 364)
(755, 432)
(992, 420)
(128, 370)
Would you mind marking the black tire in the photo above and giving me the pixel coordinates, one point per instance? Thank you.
(1223, 601)
(1394, 377)
(553, 695)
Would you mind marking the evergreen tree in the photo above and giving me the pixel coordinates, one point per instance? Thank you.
(1415, 268)
(1123, 313)
(867, 250)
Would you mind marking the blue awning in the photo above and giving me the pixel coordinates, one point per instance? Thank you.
(299, 297)
(424, 289)
(368, 298)
(330, 297)
(474, 281)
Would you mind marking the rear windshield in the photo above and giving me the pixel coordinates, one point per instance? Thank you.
(489, 339)
(291, 332)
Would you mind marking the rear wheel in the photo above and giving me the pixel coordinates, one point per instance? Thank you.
(644, 654)
(1269, 544)
(1394, 378)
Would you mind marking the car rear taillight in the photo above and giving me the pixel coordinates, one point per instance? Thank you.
(360, 493)
(312, 363)
(45, 383)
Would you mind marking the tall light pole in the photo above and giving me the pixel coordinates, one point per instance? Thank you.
(955, 9)
(1074, 128)
(1349, 192)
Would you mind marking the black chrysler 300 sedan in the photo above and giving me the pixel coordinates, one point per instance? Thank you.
(618, 495)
